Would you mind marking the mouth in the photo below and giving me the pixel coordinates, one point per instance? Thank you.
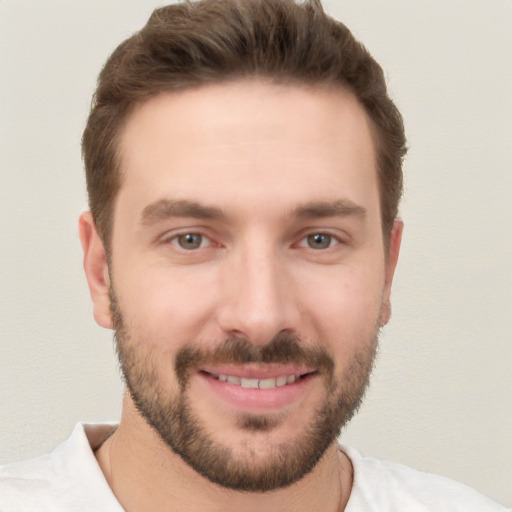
(257, 389)
(263, 383)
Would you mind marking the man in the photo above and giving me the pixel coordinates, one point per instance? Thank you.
(243, 166)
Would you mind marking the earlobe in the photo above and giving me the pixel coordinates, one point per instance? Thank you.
(395, 241)
(96, 269)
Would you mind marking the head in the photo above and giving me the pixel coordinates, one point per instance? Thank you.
(192, 44)
(244, 172)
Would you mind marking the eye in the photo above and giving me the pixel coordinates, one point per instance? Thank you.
(319, 241)
(190, 241)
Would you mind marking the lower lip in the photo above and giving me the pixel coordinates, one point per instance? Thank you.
(257, 400)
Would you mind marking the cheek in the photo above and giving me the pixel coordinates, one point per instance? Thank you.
(345, 311)
(167, 309)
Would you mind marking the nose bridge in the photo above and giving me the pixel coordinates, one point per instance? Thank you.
(257, 303)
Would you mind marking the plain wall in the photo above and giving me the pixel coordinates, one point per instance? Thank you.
(441, 394)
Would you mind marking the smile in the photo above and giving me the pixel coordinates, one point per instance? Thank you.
(257, 388)
(270, 383)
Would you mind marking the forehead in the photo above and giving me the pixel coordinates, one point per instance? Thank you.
(232, 142)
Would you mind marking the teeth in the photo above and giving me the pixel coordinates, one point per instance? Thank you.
(281, 381)
(249, 383)
(267, 383)
(271, 383)
(233, 380)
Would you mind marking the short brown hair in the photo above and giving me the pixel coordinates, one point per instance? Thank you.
(209, 41)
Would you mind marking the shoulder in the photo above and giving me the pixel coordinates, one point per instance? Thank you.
(388, 486)
(68, 478)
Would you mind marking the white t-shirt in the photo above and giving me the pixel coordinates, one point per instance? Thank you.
(69, 479)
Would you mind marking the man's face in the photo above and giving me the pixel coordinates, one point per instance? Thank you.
(248, 274)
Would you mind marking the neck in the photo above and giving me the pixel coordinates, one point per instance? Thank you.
(144, 473)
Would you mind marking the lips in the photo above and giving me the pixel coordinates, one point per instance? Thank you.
(257, 387)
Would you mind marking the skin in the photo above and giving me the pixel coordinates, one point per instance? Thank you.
(258, 153)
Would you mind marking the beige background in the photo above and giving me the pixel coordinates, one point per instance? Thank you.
(441, 396)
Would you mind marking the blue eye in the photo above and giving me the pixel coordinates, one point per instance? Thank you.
(319, 241)
(190, 241)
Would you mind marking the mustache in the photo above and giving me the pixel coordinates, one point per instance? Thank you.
(282, 349)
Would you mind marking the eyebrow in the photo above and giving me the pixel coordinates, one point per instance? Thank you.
(339, 208)
(164, 209)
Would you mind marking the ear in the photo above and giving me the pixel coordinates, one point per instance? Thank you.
(96, 269)
(392, 259)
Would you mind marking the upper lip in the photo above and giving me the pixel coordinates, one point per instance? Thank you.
(257, 371)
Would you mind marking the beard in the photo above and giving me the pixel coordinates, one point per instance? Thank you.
(174, 419)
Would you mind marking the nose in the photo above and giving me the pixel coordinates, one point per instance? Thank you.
(257, 296)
